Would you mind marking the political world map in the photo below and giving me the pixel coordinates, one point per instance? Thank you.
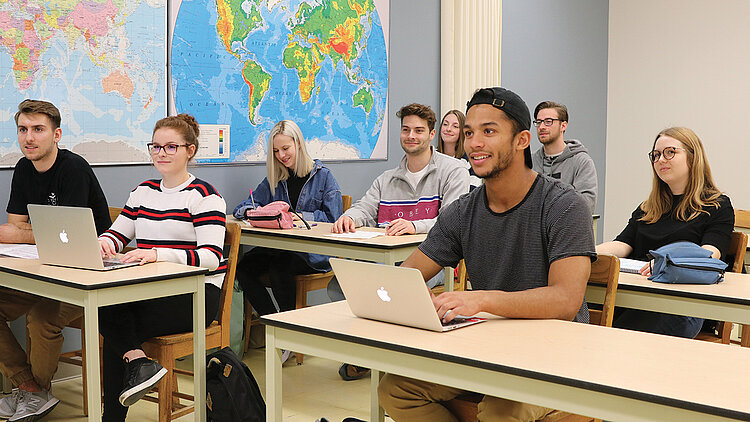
(250, 63)
(101, 62)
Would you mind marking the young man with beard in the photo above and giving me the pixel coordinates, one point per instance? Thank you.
(407, 199)
(515, 205)
(564, 159)
(46, 175)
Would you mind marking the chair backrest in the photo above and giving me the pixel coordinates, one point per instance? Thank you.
(742, 218)
(232, 243)
(346, 201)
(461, 283)
(114, 212)
(605, 271)
(736, 251)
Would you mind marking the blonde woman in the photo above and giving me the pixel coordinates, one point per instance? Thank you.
(311, 190)
(684, 205)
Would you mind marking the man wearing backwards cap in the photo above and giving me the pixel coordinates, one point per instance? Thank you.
(528, 244)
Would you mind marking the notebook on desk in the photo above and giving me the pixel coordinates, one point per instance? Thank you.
(66, 236)
(633, 266)
(392, 294)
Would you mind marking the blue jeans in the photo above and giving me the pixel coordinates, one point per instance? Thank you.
(657, 323)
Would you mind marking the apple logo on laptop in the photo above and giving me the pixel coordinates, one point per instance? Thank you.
(63, 236)
(383, 294)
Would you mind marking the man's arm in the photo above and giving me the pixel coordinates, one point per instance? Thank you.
(585, 182)
(365, 211)
(560, 299)
(423, 263)
(16, 230)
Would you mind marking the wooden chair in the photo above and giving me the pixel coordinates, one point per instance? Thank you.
(605, 271)
(304, 284)
(735, 253)
(166, 349)
(114, 212)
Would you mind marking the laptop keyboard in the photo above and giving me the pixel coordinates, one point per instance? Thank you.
(111, 263)
(454, 321)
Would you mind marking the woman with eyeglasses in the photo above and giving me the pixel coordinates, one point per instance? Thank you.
(684, 205)
(311, 190)
(180, 219)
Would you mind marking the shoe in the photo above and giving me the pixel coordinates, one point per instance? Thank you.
(285, 355)
(140, 376)
(359, 372)
(8, 405)
(32, 406)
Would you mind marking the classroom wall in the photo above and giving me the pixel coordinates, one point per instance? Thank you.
(675, 63)
(414, 76)
(554, 50)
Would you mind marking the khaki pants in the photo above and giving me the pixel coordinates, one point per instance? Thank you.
(407, 399)
(45, 319)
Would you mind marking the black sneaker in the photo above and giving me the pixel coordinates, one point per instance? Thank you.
(140, 376)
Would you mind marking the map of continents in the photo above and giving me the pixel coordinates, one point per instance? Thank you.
(320, 63)
(101, 62)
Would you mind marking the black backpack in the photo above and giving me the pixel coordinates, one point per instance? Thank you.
(232, 394)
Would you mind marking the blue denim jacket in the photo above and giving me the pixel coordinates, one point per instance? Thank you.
(319, 200)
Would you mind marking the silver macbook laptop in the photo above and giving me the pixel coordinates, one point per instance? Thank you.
(391, 294)
(66, 236)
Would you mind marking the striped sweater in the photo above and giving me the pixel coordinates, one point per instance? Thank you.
(184, 224)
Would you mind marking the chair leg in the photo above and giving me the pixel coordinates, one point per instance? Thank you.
(248, 323)
(745, 336)
(165, 386)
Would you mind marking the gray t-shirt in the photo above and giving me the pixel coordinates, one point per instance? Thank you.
(512, 251)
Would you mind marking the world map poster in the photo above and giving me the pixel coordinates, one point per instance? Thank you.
(101, 62)
(251, 63)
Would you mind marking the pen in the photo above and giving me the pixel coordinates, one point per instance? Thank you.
(251, 198)
(384, 224)
(311, 225)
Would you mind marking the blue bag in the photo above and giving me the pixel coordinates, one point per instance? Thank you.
(686, 263)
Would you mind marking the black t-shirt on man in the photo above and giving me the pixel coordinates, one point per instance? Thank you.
(69, 182)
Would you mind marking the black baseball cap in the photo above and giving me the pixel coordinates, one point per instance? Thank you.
(510, 103)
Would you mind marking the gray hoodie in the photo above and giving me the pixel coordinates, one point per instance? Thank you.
(573, 166)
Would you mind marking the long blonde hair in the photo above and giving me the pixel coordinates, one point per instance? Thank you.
(701, 191)
(459, 153)
(275, 170)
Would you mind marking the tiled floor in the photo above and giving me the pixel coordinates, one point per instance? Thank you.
(311, 391)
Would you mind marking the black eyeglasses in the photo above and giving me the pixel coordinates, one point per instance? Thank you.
(170, 149)
(667, 152)
(547, 122)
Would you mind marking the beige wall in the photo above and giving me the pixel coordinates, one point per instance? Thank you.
(676, 63)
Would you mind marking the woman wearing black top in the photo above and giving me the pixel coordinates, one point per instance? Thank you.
(684, 205)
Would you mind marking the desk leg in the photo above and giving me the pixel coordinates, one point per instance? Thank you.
(199, 349)
(377, 414)
(7, 386)
(93, 378)
(273, 377)
(449, 284)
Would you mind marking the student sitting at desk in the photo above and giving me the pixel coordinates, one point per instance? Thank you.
(527, 242)
(180, 219)
(46, 175)
(684, 204)
(311, 190)
(407, 199)
(451, 141)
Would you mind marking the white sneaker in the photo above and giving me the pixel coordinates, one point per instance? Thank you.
(8, 404)
(32, 406)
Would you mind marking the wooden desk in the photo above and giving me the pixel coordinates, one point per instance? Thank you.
(387, 249)
(581, 368)
(725, 301)
(94, 289)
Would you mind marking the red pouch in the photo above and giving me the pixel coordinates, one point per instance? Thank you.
(275, 215)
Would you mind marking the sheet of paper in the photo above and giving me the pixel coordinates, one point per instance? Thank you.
(19, 251)
(628, 265)
(356, 235)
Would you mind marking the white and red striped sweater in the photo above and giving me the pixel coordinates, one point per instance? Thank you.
(185, 224)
